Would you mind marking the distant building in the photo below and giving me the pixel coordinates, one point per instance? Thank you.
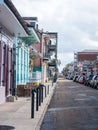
(87, 55)
(87, 60)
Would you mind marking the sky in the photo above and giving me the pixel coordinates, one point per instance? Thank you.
(76, 22)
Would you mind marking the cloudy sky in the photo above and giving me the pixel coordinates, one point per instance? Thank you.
(76, 22)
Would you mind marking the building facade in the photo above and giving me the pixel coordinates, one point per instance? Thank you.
(50, 62)
(8, 35)
(88, 61)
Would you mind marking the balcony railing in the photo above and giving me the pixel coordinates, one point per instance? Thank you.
(52, 64)
(35, 77)
(52, 47)
(46, 57)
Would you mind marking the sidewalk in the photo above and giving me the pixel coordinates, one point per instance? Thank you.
(17, 115)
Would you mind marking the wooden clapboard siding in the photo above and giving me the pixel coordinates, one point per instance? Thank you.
(5, 68)
(0, 60)
(11, 76)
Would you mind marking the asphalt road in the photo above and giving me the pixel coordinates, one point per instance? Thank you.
(73, 107)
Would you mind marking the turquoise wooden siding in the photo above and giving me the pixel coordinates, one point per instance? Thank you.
(22, 64)
(37, 68)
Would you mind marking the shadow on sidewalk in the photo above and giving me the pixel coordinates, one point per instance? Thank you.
(6, 127)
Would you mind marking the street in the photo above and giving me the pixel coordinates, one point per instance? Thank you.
(72, 107)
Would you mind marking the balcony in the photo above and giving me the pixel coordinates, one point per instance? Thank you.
(33, 53)
(46, 57)
(52, 47)
(52, 63)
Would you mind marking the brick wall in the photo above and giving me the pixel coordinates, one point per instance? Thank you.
(37, 61)
(90, 56)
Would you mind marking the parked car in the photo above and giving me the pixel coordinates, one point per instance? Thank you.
(96, 83)
(75, 77)
(88, 80)
(93, 80)
(82, 79)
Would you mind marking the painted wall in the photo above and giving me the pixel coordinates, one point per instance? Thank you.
(5, 66)
(22, 64)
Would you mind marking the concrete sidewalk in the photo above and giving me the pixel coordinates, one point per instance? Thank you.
(17, 115)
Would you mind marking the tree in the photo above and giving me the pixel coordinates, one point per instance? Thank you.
(66, 69)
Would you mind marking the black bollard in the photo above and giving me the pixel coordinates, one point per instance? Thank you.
(52, 83)
(40, 95)
(32, 105)
(48, 90)
(45, 91)
(37, 99)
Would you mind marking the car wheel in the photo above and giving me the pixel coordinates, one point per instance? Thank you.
(96, 86)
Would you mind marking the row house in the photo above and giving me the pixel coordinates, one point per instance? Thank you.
(10, 29)
(15, 38)
(50, 68)
(36, 71)
(46, 62)
(24, 50)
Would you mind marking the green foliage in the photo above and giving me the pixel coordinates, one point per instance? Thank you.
(66, 68)
(30, 64)
(53, 60)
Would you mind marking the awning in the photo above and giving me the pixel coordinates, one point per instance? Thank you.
(32, 38)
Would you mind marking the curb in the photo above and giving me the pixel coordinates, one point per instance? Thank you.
(45, 109)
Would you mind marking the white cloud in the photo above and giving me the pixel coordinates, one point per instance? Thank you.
(91, 43)
(65, 59)
(76, 22)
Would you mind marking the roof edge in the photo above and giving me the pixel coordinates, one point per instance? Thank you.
(17, 15)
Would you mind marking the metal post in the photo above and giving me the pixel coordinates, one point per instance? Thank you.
(45, 91)
(48, 90)
(52, 83)
(37, 97)
(42, 93)
(32, 104)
